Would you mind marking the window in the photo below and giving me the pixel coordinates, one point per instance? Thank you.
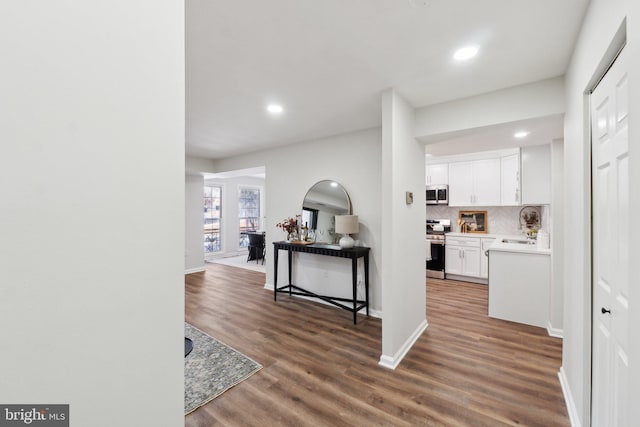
(212, 216)
(248, 213)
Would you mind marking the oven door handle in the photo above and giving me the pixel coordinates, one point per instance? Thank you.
(437, 242)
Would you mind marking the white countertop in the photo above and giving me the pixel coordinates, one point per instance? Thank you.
(498, 245)
(477, 235)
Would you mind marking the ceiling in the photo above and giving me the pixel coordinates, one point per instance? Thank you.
(540, 131)
(327, 62)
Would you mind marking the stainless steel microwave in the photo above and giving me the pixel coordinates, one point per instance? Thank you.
(437, 194)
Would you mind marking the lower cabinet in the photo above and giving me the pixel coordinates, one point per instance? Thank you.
(484, 258)
(462, 256)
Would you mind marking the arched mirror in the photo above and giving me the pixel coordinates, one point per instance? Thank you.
(323, 201)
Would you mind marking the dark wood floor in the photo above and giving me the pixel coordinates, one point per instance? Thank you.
(321, 370)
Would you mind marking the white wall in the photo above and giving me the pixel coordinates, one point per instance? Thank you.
(557, 236)
(230, 233)
(197, 165)
(194, 222)
(603, 19)
(92, 224)
(353, 160)
(533, 100)
(403, 252)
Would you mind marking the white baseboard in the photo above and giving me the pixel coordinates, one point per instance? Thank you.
(461, 278)
(568, 399)
(194, 270)
(554, 332)
(392, 362)
(372, 313)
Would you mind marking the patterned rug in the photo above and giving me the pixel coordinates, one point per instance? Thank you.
(211, 369)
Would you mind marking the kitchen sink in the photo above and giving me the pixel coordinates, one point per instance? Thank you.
(518, 241)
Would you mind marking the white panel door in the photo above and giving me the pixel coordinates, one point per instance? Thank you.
(610, 204)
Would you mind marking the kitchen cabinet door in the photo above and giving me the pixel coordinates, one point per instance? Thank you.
(461, 184)
(486, 182)
(453, 260)
(475, 183)
(510, 166)
(471, 262)
(438, 174)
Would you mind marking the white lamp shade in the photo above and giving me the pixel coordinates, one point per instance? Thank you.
(347, 224)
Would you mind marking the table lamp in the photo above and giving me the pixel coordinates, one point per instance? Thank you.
(346, 225)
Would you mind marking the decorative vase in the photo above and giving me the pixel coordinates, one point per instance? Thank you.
(292, 236)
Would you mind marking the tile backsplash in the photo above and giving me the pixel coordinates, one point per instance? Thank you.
(502, 219)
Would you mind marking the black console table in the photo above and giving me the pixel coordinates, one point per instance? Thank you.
(329, 250)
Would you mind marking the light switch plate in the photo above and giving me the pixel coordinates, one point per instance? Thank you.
(409, 197)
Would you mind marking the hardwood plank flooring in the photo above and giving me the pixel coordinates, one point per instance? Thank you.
(321, 370)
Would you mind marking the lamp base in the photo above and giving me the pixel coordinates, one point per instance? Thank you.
(347, 242)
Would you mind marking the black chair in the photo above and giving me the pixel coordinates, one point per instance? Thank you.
(256, 247)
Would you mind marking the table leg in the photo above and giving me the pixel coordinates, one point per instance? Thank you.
(366, 281)
(354, 280)
(275, 272)
(289, 263)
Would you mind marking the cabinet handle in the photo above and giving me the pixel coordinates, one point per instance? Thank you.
(605, 311)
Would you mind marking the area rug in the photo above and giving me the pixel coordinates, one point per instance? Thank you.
(240, 261)
(211, 369)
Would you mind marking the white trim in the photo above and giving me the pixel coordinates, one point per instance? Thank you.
(574, 419)
(479, 280)
(392, 362)
(372, 313)
(195, 270)
(554, 332)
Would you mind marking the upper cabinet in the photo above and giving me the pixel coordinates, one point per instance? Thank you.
(536, 175)
(437, 174)
(510, 166)
(475, 183)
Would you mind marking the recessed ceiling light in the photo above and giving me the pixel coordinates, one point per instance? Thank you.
(465, 53)
(521, 134)
(275, 108)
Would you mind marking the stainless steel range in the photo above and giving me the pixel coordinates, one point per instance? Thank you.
(435, 241)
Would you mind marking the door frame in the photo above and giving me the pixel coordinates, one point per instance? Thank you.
(616, 45)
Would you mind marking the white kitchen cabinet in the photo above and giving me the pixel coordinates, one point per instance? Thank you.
(475, 183)
(437, 174)
(485, 243)
(486, 179)
(462, 256)
(510, 168)
(536, 175)
(460, 184)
